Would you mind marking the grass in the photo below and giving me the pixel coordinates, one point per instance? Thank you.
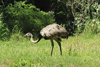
(78, 51)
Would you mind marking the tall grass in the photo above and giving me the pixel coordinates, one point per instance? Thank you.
(78, 51)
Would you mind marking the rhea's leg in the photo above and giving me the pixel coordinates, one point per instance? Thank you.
(52, 44)
(59, 43)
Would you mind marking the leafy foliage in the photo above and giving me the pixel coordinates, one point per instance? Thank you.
(85, 14)
(77, 15)
(4, 31)
(27, 17)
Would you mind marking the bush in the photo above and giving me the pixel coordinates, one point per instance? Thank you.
(86, 14)
(27, 17)
(4, 31)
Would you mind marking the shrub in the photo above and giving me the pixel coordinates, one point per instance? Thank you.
(27, 17)
(4, 31)
(86, 13)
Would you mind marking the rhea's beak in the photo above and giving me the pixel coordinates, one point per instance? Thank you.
(24, 35)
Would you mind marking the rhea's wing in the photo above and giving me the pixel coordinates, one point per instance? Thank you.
(53, 30)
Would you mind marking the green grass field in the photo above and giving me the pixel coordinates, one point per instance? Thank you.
(78, 51)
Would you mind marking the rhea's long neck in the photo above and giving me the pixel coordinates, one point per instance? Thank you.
(35, 41)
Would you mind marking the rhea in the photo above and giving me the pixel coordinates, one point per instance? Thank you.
(52, 32)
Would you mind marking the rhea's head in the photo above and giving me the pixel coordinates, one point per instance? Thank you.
(28, 34)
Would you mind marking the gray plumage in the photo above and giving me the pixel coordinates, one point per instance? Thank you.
(52, 32)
